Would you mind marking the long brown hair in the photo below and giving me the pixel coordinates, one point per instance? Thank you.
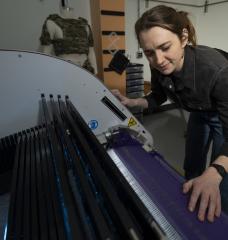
(167, 18)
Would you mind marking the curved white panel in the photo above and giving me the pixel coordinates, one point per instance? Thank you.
(25, 75)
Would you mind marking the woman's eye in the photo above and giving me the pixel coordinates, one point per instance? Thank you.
(164, 49)
(149, 53)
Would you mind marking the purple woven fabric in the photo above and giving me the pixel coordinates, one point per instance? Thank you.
(164, 186)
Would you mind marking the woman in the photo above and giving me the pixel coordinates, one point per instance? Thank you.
(196, 77)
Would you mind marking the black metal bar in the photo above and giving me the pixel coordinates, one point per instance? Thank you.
(62, 132)
(98, 219)
(34, 196)
(52, 228)
(12, 145)
(27, 194)
(20, 192)
(46, 115)
(107, 33)
(63, 3)
(112, 13)
(124, 219)
(55, 157)
(120, 183)
(13, 199)
(52, 192)
(66, 196)
(42, 213)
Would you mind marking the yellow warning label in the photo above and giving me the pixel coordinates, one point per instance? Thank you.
(132, 122)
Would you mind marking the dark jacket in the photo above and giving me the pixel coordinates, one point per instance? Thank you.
(201, 85)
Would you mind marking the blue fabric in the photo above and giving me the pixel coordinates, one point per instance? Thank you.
(204, 128)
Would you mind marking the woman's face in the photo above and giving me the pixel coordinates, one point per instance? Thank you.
(163, 49)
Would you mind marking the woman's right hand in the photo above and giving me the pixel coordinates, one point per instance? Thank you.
(128, 102)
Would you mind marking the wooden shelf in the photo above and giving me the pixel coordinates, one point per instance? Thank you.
(108, 24)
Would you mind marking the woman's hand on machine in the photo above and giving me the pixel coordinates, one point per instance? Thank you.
(123, 99)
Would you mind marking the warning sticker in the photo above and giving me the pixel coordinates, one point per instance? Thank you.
(132, 122)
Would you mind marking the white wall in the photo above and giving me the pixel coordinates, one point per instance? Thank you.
(211, 27)
(21, 21)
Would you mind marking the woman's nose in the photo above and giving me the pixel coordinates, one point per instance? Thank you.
(159, 58)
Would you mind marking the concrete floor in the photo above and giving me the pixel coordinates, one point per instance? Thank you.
(168, 130)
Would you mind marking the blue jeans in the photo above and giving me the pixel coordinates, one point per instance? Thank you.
(204, 128)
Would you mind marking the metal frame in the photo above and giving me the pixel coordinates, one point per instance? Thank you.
(205, 5)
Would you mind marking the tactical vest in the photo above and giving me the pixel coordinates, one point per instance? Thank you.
(77, 37)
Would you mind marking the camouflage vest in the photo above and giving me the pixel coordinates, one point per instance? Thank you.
(77, 37)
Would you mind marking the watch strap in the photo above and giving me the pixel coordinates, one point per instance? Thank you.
(220, 169)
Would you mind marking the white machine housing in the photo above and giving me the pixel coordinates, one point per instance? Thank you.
(24, 76)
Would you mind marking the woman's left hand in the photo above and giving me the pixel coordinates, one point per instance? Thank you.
(205, 189)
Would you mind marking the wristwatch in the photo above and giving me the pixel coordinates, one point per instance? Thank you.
(220, 169)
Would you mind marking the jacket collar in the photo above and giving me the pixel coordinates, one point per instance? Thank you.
(187, 75)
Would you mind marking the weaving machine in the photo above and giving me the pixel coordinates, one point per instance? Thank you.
(81, 166)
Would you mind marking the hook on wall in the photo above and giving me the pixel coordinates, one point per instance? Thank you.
(64, 3)
(205, 6)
